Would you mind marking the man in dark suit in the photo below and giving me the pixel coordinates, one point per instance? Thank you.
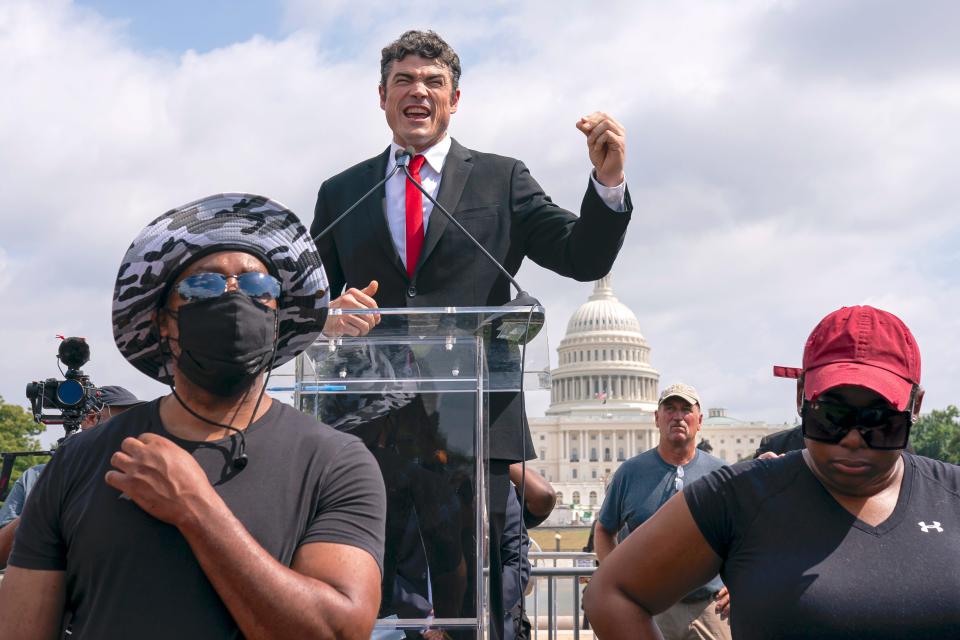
(781, 442)
(417, 259)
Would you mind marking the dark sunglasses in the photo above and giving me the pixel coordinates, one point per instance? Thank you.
(880, 428)
(203, 286)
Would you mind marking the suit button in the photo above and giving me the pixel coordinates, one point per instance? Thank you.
(411, 291)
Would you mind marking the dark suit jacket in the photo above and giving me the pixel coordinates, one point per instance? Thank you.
(782, 441)
(500, 203)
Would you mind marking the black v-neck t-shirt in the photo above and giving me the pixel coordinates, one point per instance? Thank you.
(799, 565)
(129, 575)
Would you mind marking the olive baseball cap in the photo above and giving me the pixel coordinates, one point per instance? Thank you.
(680, 390)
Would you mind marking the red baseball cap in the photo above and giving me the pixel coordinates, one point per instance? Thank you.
(863, 347)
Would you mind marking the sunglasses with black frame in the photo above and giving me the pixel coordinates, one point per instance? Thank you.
(880, 427)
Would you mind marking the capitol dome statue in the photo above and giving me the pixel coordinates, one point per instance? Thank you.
(604, 360)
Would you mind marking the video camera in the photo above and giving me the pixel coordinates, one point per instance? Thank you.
(74, 397)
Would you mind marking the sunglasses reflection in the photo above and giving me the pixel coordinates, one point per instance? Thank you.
(203, 286)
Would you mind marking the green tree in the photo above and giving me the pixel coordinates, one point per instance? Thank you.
(937, 435)
(18, 432)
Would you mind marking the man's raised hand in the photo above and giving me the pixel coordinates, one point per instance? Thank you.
(607, 144)
(348, 325)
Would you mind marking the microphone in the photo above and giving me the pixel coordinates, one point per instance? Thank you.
(522, 299)
(240, 462)
(402, 157)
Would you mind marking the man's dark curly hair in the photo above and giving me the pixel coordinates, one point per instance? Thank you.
(426, 44)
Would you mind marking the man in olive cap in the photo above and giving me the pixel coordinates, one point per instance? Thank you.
(644, 483)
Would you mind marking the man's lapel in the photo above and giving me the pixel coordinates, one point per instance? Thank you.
(375, 217)
(456, 170)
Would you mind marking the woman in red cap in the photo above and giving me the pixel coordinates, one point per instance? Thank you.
(851, 538)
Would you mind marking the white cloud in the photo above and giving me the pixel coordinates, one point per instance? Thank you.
(861, 41)
(773, 181)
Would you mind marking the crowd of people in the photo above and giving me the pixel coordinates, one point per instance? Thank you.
(216, 512)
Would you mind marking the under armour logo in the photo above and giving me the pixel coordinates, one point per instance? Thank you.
(927, 527)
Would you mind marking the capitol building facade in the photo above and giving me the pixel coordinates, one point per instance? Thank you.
(603, 395)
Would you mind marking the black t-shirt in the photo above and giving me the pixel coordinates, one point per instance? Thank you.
(799, 565)
(129, 575)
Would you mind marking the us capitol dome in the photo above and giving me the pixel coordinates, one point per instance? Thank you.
(603, 394)
(603, 359)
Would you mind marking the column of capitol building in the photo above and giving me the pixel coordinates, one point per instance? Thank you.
(603, 395)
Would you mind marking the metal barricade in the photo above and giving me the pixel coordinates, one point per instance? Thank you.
(557, 574)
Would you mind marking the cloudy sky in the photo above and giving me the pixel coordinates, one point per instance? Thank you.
(785, 158)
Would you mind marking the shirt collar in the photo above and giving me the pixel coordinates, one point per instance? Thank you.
(435, 156)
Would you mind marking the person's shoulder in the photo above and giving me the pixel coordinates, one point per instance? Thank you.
(323, 455)
(641, 461)
(638, 459)
(786, 463)
(493, 158)
(33, 472)
(944, 474)
(86, 451)
(28, 479)
(709, 461)
(482, 157)
(782, 441)
(776, 435)
(305, 429)
(131, 423)
(759, 479)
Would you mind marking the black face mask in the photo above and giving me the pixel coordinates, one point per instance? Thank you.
(225, 342)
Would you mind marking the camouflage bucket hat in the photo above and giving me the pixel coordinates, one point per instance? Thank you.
(221, 222)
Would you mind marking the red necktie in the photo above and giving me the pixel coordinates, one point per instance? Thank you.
(414, 217)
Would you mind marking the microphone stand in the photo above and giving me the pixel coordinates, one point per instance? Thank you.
(402, 160)
(522, 299)
(522, 333)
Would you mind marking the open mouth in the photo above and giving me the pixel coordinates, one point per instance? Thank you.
(416, 112)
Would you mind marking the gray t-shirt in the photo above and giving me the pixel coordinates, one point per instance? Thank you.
(128, 575)
(642, 484)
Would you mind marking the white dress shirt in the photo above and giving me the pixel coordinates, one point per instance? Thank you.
(430, 174)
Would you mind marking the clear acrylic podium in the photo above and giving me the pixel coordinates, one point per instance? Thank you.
(415, 390)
